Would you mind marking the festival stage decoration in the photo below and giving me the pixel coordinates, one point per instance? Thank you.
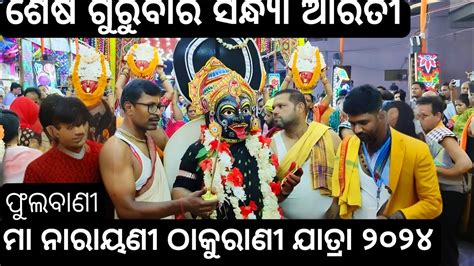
(45, 73)
(427, 70)
(274, 81)
(26, 63)
(341, 80)
(287, 47)
(8, 50)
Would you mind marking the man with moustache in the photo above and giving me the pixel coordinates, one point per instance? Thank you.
(131, 170)
(380, 172)
(312, 147)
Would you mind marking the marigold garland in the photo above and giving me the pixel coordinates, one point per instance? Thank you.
(306, 88)
(147, 72)
(89, 99)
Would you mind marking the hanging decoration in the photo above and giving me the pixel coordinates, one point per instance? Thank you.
(341, 80)
(427, 70)
(287, 47)
(26, 63)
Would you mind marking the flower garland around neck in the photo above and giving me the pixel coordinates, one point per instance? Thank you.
(242, 45)
(146, 73)
(316, 73)
(228, 183)
(101, 84)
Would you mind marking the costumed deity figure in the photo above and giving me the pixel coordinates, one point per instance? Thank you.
(306, 67)
(90, 74)
(231, 159)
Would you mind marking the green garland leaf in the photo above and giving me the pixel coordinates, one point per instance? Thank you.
(202, 153)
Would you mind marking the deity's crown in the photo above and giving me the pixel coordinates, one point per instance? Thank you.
(215, 81)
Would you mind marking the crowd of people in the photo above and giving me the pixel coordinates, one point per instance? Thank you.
(374, 154)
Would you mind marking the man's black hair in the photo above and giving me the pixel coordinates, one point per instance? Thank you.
(387, 96)
(394, 87)
(296, 97)
(47, 108)
(437, 104)
(362, 99)
(69, 110)
(133, 91)
(34, 90)
(10, 122)
(14, 85)
(421, 84)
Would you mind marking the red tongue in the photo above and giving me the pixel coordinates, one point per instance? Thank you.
(306, 76)
(142, 64)
(89, 86)
(240, 131)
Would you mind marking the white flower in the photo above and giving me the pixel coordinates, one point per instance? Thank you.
(225, 160)
(270, 202)
(239, 193)
(2, 150)
(271, 215)
(266, 191)
(251, 216)
(208, 138)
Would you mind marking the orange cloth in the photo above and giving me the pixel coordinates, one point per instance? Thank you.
(464, 132)
(322, 112)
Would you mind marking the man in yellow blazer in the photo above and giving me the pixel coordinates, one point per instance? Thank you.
(382, 173)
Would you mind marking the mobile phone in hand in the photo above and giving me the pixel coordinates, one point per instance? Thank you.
(457, 83)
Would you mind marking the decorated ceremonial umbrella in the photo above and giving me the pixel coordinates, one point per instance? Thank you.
(238, 54)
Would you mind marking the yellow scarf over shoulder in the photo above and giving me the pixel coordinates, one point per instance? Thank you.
(343, 185)
(322, 160)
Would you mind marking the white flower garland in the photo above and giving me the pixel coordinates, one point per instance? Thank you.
(235, 194)
(2, 150)
(232, 47)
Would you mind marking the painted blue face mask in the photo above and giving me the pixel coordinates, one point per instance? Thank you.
(234, 115)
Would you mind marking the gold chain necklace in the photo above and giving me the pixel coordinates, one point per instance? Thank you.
(130, 135)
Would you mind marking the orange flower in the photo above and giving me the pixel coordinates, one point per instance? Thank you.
(105, 134)
(224, 147)
(246, 210)
(276, 188)
(214, 144)
(235, 177)
(206, 164)
(280, 210)
(265, 141)
(2, 132)
(274, 159)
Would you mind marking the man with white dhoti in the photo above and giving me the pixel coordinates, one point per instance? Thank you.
(131, 170)
(311, 147)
